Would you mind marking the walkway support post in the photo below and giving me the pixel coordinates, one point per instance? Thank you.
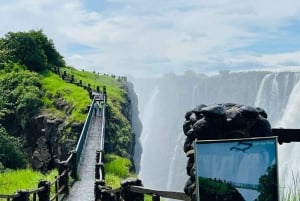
(73, 164)
(63, 181)
(44, 195)
(97, 192)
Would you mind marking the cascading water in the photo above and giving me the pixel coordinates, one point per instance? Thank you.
(147, 115)
(163, 157)
(289, 156)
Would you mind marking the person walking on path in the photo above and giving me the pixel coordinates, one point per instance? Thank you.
(100, 108)
(96, 108)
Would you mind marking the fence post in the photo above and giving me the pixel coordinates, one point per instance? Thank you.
(97, 173)
(104, 92)
(24, 196)
(155, 197)
(64, 75)
(45, 194)
(72, 79)
(97, 191)
(63, 179)
(73, 164)
(126, 194)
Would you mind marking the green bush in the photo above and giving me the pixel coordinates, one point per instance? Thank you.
(11, 155)
(20, 97)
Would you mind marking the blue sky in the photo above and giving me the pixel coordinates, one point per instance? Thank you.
(149, 38)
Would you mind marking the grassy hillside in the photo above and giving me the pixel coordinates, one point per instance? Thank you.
(75, 96)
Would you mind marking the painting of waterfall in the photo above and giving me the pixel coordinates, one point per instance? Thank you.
(239, 170)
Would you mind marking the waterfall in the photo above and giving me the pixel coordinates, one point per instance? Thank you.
(176, 157)
(147, 116)
(268, 96)
(289, 156)
(163, 161)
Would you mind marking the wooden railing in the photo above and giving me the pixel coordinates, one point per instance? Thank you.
(132, 190)
(286, 135)
(156, 194)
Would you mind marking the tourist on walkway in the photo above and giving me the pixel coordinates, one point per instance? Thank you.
(96, 108)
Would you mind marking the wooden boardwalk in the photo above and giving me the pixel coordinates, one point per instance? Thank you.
(83, 189)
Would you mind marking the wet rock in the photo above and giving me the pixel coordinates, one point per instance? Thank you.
(213, 111)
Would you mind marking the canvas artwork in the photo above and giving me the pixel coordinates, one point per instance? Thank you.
(237, 170)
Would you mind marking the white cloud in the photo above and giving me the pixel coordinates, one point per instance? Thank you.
(150, 37)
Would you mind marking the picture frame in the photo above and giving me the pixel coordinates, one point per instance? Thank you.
(237, 169)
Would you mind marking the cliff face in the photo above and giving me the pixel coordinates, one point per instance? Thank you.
(47, 138)
(136, 125)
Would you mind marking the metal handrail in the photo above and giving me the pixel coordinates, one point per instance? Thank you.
(83, 135)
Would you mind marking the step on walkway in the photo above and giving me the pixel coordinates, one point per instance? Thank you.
(83, 189)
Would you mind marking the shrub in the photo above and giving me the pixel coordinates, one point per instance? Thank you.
(10, 154)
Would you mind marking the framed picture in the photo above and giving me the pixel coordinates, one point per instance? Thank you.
(237, 170)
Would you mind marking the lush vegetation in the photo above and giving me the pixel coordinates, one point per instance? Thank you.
(22, 55)
(10, 181)
(57, 89)
(20, 97)
(28, 88)
(11, 155)
(31, 49)
(117, 168)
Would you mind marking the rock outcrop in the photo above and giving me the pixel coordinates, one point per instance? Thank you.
(46, 140)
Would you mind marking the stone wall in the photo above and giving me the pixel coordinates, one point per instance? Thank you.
(220, 121)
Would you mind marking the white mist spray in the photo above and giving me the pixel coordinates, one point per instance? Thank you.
(289, 154)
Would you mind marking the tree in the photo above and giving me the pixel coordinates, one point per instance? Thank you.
(47, 45)
(23, 49)
(32, 49)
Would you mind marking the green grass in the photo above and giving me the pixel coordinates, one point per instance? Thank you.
(116, 169)
(75, 96)
(27, 179)
(113, 86)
